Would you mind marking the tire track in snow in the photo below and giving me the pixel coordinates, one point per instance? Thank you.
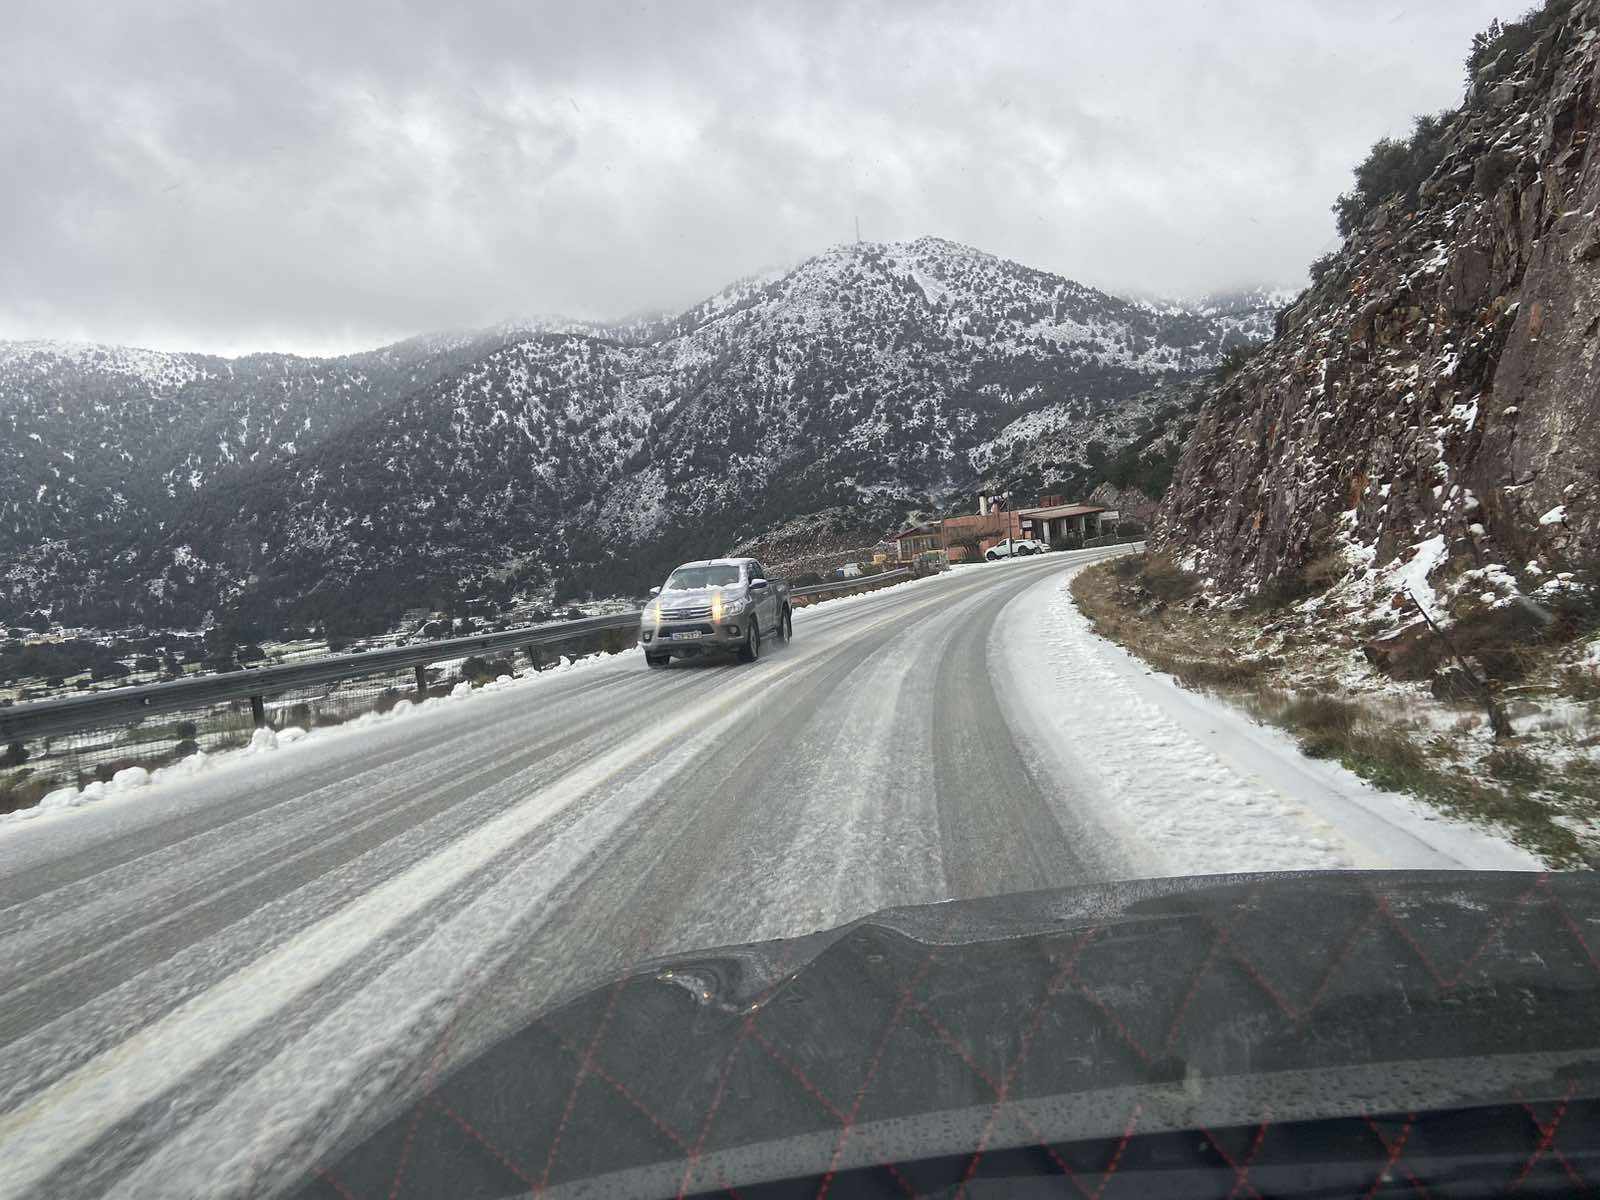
(69, 1119)
(206, 884)
(75, 858)
(474, 941)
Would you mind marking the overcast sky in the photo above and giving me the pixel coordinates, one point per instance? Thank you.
(328, 175)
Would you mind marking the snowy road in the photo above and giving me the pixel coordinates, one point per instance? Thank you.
(200, 981)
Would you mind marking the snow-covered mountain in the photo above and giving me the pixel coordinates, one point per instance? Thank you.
(1248, 313)
(137, 485)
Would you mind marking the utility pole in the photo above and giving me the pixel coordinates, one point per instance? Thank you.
(858, 229)
(1499, 723)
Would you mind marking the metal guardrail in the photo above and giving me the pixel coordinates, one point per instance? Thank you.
(65, 714)
(855, 581)
(1115, 539)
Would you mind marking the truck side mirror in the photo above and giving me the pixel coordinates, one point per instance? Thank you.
(655, 591)
(757, 584)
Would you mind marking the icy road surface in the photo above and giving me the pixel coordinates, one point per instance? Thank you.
(203, 983)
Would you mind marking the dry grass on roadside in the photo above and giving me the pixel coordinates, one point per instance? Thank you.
(1514, 792)
(1175, 648)
(21, 789)
(1145, 606)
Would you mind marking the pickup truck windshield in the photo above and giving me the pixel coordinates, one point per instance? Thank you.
(686, 579)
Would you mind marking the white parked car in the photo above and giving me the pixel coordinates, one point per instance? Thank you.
(1014, 548)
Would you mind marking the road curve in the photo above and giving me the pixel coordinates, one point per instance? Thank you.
(196, 982)
(202, 983)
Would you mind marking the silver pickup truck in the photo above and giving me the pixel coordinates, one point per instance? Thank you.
(719, 605)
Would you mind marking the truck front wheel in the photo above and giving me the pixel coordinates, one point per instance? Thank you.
(655, 660)
(751, 650)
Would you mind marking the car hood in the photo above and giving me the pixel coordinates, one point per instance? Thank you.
(699, 597)
(1023, 1019)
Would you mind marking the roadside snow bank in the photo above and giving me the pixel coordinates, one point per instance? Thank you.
(137, 781)
(1190, 785)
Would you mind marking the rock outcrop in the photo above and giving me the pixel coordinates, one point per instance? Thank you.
(1129, 501)
(1430, 409)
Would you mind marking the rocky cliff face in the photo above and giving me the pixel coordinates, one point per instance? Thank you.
(1429, 415)
(1130, 502)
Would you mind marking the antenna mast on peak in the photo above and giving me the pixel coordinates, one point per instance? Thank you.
(858, 229)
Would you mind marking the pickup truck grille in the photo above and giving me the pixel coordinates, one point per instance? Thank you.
(686, 614)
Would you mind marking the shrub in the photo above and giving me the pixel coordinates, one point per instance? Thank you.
(1235, 357)
(1511, 765)
(1205, 673)
(1394, 167)
(1501, 640)
(476, 670)
(104, 771)
(1321, 715)
(1513, 36)
(1322, 745)
(1576, 607)
(1165, 580)
(1581, 684)
(22, 791)
(1318, 574)
(15, 755)
(1326, 726)
(1390, 761)
(1321, 266)
(1146, 464)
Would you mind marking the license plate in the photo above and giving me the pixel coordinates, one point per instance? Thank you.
(688, 636)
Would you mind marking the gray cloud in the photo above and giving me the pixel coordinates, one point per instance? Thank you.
(315, 176)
